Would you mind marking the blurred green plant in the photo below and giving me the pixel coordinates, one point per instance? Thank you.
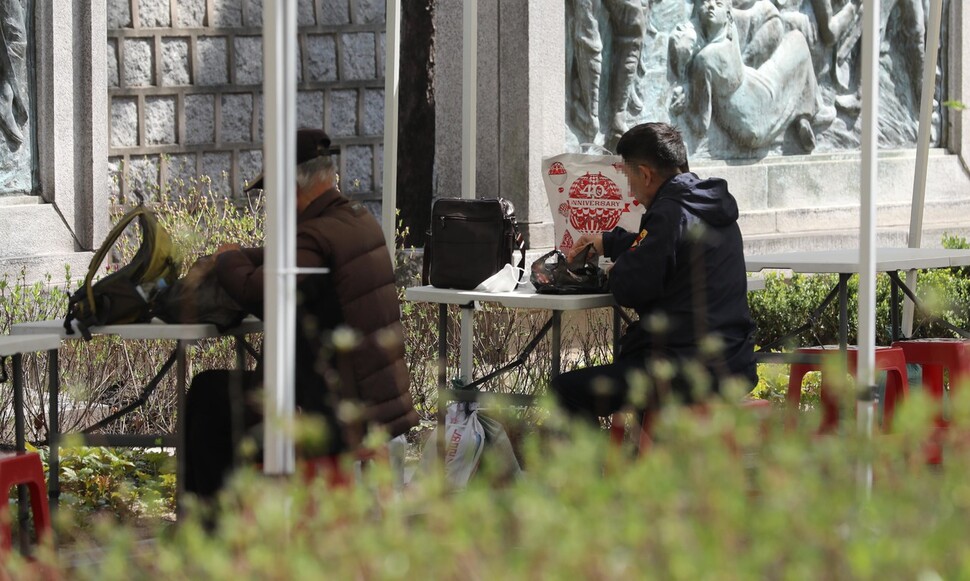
(727, 495)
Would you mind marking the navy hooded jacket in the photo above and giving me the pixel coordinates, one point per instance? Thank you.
(684, 274)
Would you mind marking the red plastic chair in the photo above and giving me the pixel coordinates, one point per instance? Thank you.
(23, 469)
(935, 355)
(332, 470)
(892, 360)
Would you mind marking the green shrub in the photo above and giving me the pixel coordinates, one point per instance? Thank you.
(120, 482)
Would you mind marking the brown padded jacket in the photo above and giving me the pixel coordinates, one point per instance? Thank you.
(359, 293)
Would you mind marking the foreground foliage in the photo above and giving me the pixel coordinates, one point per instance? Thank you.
(728, 496)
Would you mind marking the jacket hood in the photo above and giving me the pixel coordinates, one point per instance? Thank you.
(708, 199)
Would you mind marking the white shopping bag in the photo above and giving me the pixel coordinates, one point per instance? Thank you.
(588, 194)
(464, 442)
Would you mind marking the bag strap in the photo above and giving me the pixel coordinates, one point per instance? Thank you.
(86, 292)
(108, 243)
(518, 242)
(426, 260)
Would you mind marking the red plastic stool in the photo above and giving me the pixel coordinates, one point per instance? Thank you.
(617, 429)
(330, 468)
(23, 469)
(892, 360)
(935, 355)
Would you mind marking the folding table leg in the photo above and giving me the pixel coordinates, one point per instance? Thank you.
(894, 311)
(467, 342)
(180, 369)
(442, 378)
(556, 344)
(616, 333)
(18, 402)
(442, 346)
(21, 440)
(844, 312)
(236, 405)
(54, 432)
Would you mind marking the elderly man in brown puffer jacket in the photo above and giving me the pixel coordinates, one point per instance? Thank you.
(366, 383)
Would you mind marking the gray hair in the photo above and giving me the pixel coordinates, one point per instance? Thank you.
(316, 170)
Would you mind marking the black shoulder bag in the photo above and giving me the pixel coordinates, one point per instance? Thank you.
(470, 241)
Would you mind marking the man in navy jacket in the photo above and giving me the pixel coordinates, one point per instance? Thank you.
(683, 273)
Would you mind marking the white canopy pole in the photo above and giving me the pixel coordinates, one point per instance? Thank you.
(392, 73)
(865, 376)
(923, 149)
(279, 170)
(469, 98)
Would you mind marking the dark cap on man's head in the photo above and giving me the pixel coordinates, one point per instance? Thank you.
(310, 144)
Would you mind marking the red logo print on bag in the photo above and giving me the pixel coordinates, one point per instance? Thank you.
(567, 242)
(595, 203)
(557, 173)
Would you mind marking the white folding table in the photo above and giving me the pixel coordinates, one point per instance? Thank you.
(845, 263)
(524, 297)
(183, 334)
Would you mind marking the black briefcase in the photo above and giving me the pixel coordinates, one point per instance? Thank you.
(470, 240)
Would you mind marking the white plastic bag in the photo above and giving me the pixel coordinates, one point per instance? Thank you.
(588, 194)
(505, 280)
(464, 442)
(499, 456)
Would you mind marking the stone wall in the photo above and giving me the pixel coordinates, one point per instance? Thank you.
(185, 90)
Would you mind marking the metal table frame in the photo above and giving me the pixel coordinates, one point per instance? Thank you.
(183, 335)
(522, 298)
(845, 263)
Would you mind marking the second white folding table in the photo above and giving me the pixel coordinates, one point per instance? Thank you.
(183, 335)
(845, 263)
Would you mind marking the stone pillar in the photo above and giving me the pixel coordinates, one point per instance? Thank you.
(72, 128)
(41, 234)
(521, 96)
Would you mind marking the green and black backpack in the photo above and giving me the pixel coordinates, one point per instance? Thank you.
(128, 294)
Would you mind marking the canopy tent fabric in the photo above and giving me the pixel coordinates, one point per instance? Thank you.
(870, 95)
(279, 170)
(865, 372)
(392, 73)
(279, 164)
(923, 147)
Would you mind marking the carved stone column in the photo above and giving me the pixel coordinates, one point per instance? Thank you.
(41, 234)
(521, 97)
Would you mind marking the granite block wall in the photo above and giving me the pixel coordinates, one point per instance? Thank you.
(185, 90)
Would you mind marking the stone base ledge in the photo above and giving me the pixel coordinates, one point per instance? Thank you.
(835, 239)
(827, 180)
(801, 220)
(58, 270)
(33, 229)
